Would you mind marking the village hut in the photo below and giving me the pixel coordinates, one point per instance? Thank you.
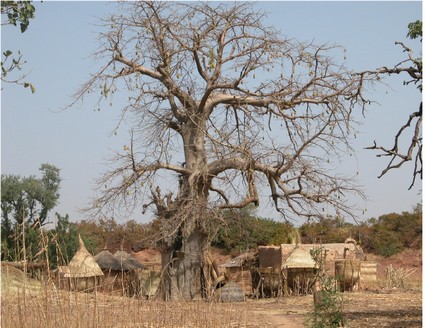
(127, 262)
(82, 273)
(119, 277)
(291, 267)
(131, 278)
(346, 261)
(238, 270)
(112, 270)
(107, 261)
(269, 279)
(330, 252)
(300, 271)
(347, 273)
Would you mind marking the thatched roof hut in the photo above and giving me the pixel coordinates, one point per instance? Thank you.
(299, 258)
(107, 261)
(127, 262)
(334, 251)
(238, 270)
(81, 274)
(83, 264)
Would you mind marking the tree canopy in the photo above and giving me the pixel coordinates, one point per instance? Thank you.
(222, 107)
(233, 97)
(26, 202)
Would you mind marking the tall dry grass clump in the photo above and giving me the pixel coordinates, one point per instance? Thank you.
(29, 303)
(398, 277)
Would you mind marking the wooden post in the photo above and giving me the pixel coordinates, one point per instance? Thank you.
(285, 284)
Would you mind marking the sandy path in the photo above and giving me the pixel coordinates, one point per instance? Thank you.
(279, 313)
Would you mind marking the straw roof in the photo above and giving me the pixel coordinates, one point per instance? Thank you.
(335, 250)
(107, 261)
(299, 258)
(83, 264)
(127, 261)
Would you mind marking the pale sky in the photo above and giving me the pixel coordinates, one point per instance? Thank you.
(57, 48)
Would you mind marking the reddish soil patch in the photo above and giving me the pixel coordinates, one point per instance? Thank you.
(407, 259)
(154, 256)
(148, 255)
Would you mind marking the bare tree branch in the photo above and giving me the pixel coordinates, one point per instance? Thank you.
(399, 157)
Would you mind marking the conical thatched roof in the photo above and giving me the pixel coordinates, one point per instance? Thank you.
(107, 261)
(127, 261)
(299, 258)
(83, 264)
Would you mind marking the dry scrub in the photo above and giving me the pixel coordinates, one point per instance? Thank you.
(52, 308)
(28, 303)
(39, 306)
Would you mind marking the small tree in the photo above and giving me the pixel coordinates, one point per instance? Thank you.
(222, 106)
(26, 203)
(328, 301)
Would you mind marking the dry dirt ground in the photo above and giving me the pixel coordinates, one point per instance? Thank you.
(391, 308)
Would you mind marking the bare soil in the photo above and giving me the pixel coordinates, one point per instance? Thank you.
(385, 308)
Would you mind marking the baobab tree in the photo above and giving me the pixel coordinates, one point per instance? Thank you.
(410, 67)
(223, 109)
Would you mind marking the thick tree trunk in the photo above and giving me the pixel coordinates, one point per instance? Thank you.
(183, 255)
(182, 275)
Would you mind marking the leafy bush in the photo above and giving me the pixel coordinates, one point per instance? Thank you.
(244, 230)
(386, 243)
(328, 301)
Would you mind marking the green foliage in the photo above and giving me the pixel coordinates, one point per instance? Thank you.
(328, 311)
(415, 30)
(14, 12)
(109, 233)
(386, 236)
(25, 204)
(63, 241)
(386, 243)
(244, 230)
(327, 230)
(393, 232)
(18, 12)
(30, 198)
(328, 301)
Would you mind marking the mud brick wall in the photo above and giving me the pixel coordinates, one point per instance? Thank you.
(270, 256)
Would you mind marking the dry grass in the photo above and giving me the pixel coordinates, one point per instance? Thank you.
(54, 308)
(28, 303)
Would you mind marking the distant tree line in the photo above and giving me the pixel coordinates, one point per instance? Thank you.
(27, 201)
(385, 236)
